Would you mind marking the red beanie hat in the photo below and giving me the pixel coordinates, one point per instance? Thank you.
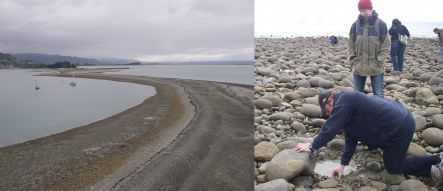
(364, 4)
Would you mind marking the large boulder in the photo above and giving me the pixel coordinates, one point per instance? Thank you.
(336, 144)
(308, 92)
(274, 185)
(291, 96)
(426, 97)
(314, 81)
(265, 151)
(437, 120)
(416, 150)
(287, 145)
(263, 71)
(311, 110)
(289, 163)
(433, 136)
(413, 185)
(286, 116)
(265, 130)
(328, 183)
(284, 79)
(276, 101)
(420, 122)
(303, 83)
(263, 103)
(299, 127)
(309, 70)
(435, 81)
(325, 84)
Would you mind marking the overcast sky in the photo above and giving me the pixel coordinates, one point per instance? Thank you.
(149, 30)
(305, 17)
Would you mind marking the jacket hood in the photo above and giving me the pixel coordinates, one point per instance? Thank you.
(396, 22)
(371, 18)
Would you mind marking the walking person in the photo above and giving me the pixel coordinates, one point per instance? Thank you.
(378, 123)
(368, 46)
(439, 32)
(398, 44)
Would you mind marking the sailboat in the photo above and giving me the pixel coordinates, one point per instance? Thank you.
(36, 85)
(73, 76)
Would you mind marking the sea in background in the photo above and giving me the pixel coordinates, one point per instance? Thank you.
(26, 113)
(416, 29)
(240, 74)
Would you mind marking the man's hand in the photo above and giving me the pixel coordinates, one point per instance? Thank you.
(303, 147)
(338, 172)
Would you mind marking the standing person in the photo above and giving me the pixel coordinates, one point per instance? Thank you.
(368, 46)
(397, 47)
(378, 123)
(439, 32)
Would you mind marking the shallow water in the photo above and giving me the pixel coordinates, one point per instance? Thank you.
(325, 168)
(240, 74)
(26, 113)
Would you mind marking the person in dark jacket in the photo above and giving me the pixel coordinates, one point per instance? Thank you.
(368, 46)
(376, 122)
(333, 39)
(397, 47)
(439, 32)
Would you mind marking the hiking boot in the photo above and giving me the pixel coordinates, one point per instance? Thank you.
(437, 176)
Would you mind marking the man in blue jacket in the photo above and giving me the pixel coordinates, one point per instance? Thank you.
(376, 122)
(397, 47)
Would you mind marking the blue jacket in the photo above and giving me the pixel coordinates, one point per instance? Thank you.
(371, 120)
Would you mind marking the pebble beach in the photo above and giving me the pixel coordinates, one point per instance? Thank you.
(289, 75)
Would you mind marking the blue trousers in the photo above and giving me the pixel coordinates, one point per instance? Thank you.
(397, 55)
(397, 161)
(376, 83)
(441, 54)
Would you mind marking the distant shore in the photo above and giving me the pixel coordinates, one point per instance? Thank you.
(104, 154)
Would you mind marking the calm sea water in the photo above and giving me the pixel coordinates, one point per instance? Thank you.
(241, 74)
(26, 113)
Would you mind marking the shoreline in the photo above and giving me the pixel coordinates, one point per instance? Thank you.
(327, 36)
(75, 151)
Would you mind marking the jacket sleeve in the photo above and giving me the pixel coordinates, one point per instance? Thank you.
(351, 44)
(385, 42)
(338, 120)
(350, 145)
(407, 32)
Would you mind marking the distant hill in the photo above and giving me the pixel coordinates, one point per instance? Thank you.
(7, 61)
(51, 59)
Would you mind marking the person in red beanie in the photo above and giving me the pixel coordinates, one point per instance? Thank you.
(368, 47)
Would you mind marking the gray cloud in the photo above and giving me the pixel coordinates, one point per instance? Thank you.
(144, 29)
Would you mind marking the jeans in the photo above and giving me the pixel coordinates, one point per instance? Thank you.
(396, 160)
(397, 55)
(376, 83)
(441, 54)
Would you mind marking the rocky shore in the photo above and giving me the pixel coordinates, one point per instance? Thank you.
(291, 72)
(176, 126)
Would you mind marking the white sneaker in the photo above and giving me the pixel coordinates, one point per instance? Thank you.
(440, 165)
(436, 176)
